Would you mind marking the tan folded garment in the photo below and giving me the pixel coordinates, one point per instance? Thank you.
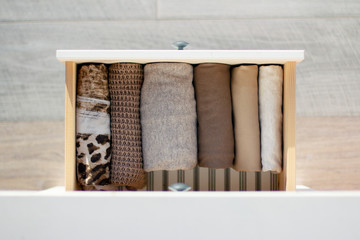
(244, 89)
(213, 103)
(270, 99)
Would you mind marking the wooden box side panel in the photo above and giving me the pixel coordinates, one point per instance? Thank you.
(70, 127)
(287, 178)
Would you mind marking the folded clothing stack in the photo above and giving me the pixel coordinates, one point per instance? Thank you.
(125, 80)
(213, 103)
(168, 117)
(245, 101)
(93, 152)
(270, 105)
(230, 117)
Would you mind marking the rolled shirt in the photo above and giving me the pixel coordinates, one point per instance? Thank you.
(125, 80)
(168, 117)
(270, 106)
(214, 112)
(244, 89)
(93, 82)
(93, 151)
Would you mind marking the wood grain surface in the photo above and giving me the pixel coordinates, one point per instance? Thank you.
(236, 9)
(32, 80)
(328, 154)
(31, 155)
(75, 10)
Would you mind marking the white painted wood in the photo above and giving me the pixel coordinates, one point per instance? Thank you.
(187, 215)
(189, 56)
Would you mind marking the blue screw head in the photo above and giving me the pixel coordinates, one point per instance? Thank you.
(180, 44)
(179, 187)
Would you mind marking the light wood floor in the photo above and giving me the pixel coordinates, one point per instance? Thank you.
(328, 154)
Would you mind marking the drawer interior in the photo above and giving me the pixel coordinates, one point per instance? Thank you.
(200, 179)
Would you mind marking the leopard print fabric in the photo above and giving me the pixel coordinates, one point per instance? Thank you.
(93, 150)
(93, 81)
(93, 159)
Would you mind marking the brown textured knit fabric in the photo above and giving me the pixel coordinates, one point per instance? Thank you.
(125, 80)
(213, 104)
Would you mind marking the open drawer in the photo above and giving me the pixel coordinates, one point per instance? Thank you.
(226, 179)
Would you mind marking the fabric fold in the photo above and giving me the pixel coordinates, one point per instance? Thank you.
(168, 117)
(214, 112)
(244, 89)
(93, 151)
(125, 80)
(270, 106)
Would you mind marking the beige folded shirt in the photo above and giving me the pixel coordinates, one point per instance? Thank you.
(244, 89)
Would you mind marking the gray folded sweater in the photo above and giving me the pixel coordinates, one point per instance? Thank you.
(168, 117)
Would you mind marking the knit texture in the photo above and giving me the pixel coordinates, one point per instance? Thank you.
(214, 111)
(125, 80)
(93, 126)
(244, 91)
(270, 99)
(168, 117)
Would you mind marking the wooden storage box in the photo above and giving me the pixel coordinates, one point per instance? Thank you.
(289, 59)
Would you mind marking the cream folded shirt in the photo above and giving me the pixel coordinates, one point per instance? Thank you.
(270, 99)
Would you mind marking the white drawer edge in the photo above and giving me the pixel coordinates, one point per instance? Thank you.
(173, 195)
(189, 56)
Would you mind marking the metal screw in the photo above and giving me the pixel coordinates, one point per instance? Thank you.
(179, 187)
(180, 44)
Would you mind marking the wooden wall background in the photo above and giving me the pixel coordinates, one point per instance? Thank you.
(32, 80)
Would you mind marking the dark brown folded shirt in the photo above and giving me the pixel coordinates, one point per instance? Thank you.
(215, 129)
